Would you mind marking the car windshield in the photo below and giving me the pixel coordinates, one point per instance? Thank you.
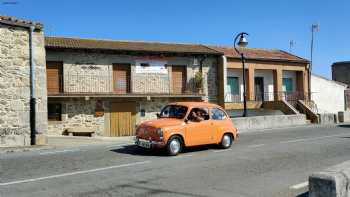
(173, 111)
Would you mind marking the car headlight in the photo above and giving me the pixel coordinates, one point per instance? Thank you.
(159, 132)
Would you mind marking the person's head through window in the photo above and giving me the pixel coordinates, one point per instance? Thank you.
(197, 115)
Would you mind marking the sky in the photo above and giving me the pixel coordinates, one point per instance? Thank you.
(270, 23)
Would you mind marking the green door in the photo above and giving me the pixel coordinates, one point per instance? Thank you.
(287, 84)
(233, 86)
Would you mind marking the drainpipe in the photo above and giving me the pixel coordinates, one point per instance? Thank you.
(32, 88)
(224, 78)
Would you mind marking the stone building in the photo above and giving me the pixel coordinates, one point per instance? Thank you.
(15, 91)
(341, 73)
(110, 86)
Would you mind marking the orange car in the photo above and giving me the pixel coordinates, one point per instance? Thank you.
(185, 124)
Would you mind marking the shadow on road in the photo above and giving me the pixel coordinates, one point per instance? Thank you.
(344, 125)
(306, 194)
(135, 150)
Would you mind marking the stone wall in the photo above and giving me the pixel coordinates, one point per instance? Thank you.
(77, 113)
(93, 72)
(15, 85)
(80, 113)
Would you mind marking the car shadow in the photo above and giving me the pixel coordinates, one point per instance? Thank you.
(344, 125)
(135, 150)
(306, 194)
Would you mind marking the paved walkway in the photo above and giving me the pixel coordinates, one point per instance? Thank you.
(58, 142)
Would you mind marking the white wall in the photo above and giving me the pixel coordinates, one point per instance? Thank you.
(327, 94)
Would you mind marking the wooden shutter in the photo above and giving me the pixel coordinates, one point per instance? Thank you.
(179, 79)
(121, 78)
(54, 77)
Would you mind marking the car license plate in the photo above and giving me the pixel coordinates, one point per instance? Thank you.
(144, 143)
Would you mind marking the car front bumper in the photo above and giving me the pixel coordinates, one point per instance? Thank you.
(149, 143)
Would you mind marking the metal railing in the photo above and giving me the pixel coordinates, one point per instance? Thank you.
(82, 84)
(269, 96)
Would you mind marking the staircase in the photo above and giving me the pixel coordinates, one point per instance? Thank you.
(309, 108)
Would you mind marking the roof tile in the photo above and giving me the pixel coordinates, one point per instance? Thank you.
(81, 43)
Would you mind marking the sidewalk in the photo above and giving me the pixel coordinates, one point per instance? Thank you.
(56, 142)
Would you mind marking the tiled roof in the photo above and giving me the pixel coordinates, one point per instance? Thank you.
(260, 54)
(81, 43)
(19, 22)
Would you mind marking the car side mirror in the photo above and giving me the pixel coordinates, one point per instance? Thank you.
(158, 115)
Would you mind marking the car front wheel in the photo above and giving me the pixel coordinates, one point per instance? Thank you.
(226, 141)
(174, 146)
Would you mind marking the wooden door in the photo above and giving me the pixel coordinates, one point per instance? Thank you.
(54, 77)
(123, 119)
(179, 79)
(259, 88)
(121, 78)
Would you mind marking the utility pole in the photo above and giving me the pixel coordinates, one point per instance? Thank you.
(314, 28)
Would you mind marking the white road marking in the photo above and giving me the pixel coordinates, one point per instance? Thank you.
(73, 173)
(314, 138)
(256, 145)
(224, 150)
(300, 185)
(182, 156)
(58, 151)
(118, 145)
(292, 141)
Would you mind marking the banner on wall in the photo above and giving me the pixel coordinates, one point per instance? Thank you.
(151, 66)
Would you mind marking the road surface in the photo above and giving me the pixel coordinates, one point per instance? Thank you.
(266, 163)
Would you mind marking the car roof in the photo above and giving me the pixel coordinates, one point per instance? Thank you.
(195, 104)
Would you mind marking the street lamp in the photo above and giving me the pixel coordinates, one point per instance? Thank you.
(242, 43)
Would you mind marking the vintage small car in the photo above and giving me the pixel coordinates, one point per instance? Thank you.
(185, 124)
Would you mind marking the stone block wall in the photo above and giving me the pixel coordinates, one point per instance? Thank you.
(93, 72)
(77, 113)
(15, 85)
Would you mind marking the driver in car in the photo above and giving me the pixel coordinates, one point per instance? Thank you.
(197, 115)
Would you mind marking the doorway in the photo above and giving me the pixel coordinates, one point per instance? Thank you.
(259, 88)
(123, 119)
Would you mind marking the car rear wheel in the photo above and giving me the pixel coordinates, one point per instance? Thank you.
(174, 146)
(226, 141)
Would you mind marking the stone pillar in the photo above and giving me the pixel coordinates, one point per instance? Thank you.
(277, 84)
(250, 83)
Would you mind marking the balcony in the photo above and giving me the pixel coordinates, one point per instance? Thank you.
(269, 96)
(106, 86)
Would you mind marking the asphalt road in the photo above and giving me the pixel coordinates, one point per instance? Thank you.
(269, 163)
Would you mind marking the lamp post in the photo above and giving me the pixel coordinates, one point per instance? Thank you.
(242, 43)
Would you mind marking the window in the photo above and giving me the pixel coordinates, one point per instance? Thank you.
(54, 111)
(218, 114)
(287, 84)
(198, 114)
(173, 111)
(233, 86)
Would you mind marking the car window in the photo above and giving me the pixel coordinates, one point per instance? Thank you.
(198, 114)
(173, 111)
(218, 114)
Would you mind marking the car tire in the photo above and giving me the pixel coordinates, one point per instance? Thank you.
(226, 141)
(174, 146)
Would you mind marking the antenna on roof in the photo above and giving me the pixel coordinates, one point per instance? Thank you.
(291, 45)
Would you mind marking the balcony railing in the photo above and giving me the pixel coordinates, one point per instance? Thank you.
(105, 85)
(269, 96)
